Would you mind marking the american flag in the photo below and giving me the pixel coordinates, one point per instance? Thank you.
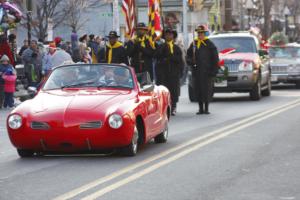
(128, 7)
(154, 18)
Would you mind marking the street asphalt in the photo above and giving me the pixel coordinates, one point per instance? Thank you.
(244, 150)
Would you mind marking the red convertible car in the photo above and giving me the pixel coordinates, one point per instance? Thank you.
(91, 107)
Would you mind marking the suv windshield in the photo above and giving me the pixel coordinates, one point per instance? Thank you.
(241, 44)
(80, 76)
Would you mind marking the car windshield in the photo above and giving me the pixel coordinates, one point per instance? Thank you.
(241, 44)
(284, 52)
(81, 76)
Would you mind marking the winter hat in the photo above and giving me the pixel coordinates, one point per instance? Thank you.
(4, 58)
(57, 40)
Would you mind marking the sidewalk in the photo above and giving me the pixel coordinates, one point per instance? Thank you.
(21, 94)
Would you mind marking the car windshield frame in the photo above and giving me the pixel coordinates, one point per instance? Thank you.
(235, 43)
(291, 51)
(90, 76)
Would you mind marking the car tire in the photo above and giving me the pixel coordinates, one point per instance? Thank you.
(25, 153)
(132, 148)
(192, 94)
(267, 92)
(163, 136)
(255, 93)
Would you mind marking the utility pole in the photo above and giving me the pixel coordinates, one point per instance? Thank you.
(184, 22)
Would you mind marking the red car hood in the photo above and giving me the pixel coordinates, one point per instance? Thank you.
(68, 108)
(84, 100)
(240, 56)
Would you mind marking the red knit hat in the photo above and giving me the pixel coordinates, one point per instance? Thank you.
(57, 40)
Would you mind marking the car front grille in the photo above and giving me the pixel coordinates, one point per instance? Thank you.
(233, 65)
(91, 125)
(39, 125)
(279, 69)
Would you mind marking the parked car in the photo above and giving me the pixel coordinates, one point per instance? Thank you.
(244, 67)
(91, 107)
(285, 64)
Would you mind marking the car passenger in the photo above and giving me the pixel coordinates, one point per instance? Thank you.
(122, 77)
(108, 77)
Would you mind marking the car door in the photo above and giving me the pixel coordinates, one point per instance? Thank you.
(152, 106)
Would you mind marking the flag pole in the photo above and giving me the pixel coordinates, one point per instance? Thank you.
(161, 16)
(136, 12)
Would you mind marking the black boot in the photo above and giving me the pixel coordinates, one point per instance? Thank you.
(200, 112)
(206, 108)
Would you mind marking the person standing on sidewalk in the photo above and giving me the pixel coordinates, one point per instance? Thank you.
(4, 66)
(170, 66)
(9, 87)
(203, 56)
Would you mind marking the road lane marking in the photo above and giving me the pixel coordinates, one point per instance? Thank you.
(180, 155)
(130, 168)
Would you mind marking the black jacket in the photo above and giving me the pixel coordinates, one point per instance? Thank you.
(118, 55)
(204, 69)
(169, 68)
(141, 57)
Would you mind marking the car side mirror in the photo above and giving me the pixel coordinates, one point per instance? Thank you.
(148, 88)
(263, 53)
(144, 79)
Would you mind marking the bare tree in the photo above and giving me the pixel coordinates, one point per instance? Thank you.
(267, 5)
(75, 9)
(43, 12)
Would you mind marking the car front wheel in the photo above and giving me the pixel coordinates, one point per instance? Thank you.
(267, 92)
(132, 148)
(255, 93)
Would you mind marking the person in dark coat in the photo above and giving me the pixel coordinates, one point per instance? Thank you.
(114, 51)
(32, 60)
(169, 66)
(141, 51)
(202, 55)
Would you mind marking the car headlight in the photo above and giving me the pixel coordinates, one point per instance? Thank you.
(115, 121)
(246, 66)
(15, 121)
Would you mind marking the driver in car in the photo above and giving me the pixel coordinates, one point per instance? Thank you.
(108, 76)
(122, 77)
